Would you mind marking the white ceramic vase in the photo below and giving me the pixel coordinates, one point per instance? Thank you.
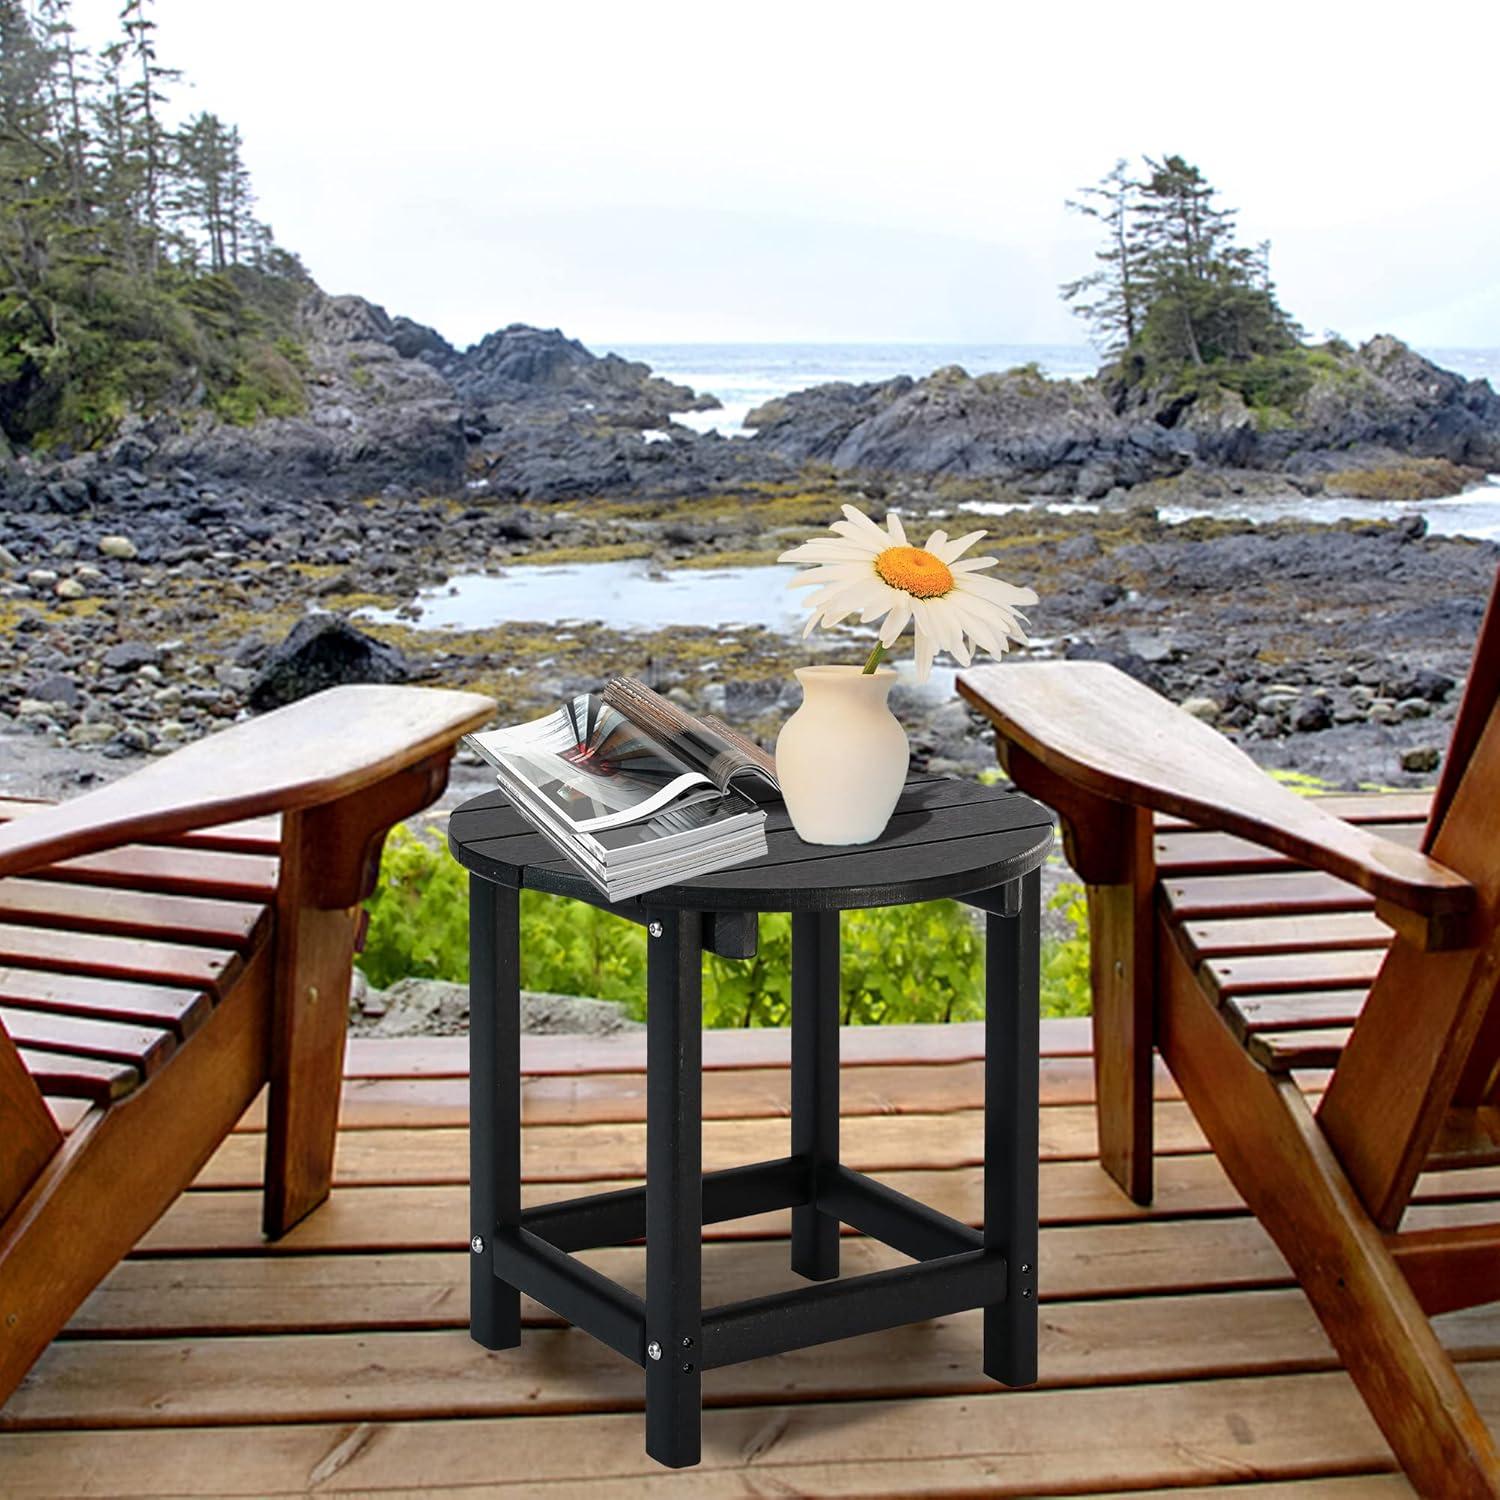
(841, 758)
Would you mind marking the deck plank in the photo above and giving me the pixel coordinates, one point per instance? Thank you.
(1010, 1443)
(585, 1153)
(1177, 1355)
(396, 1376)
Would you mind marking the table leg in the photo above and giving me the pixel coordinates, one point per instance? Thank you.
(494, 1105)
(1011, 1045)
(674, 1187)
(815, 1081)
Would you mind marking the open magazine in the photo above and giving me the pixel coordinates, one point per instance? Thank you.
(637, 793)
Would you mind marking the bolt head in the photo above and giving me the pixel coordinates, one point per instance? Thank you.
(654, 928)
(687, 1368)
(687, 1343)
(653, 1350)
(1026, 1270)
(477, 1244)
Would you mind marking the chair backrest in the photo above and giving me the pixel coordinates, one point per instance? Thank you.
(1429, 1035)
(1481, 694)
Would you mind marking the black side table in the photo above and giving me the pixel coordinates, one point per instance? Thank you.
(947, 838)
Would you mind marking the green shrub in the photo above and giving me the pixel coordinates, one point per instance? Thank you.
(923, 962)
(1066, 990)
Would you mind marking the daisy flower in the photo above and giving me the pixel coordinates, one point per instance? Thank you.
(874, 572)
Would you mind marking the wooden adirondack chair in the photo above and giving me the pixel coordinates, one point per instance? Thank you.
(1328, 945)
(160, 962)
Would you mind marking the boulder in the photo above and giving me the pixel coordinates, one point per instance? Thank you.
(323, 651)
(130, 656)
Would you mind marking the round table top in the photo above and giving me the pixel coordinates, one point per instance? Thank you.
(946, 838)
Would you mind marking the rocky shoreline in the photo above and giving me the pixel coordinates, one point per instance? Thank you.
(147, 590)
(1336, 651)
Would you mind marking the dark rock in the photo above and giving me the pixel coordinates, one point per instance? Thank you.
(1310, 715)
(130, 656)
(1420, 759)
(1421, 683)
(57, 688)
(1127, 661)
(323, 651)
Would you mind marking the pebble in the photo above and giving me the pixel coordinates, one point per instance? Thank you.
(118, 547)
(91, 734)
(1202, 708)
(1420, 759)
(69, 588)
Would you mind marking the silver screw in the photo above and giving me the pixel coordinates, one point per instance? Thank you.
(477, 1244)
(654, 929)
(1026, 1270)
(653, 1350)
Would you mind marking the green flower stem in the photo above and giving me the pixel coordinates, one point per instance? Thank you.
(874, 660)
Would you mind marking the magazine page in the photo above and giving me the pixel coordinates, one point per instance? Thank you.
(720, 752)
(592, 768)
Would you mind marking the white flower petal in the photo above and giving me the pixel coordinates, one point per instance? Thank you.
(972, 564)
(895, 622)
(825, 571)
(825, 549)
(896, 530)
(926, 646)
(994, 589)
(857, 536)
(861, 522)
(952, 551)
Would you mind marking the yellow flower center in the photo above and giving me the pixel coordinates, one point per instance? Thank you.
(915, 571)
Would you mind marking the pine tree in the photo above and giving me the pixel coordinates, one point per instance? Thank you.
(150, 141)
(1174, 289)
(30, 176)
(1115, 291)
(203, 167)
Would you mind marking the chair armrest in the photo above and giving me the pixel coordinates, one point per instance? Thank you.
(1103, 732)
(306, 755)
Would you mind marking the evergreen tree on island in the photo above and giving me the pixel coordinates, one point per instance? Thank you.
(1173, 287)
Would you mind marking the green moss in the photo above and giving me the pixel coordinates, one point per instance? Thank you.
(589, 552)
(1413, 479)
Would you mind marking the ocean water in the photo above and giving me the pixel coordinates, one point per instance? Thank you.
(743, 376)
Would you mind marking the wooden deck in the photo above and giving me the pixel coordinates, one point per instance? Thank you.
(1175, 1352)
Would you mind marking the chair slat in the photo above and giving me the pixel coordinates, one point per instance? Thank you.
(186, 964)
(186, 872)
(1263, 973)
(1365, 808)
(1297, 933)
(123, 913)
(180, 1011)
(1467, 1138)
(1288, 892)
(1284, 1051)
(1292, 1011)
(145, 1047)
(247, 836)
(74, 1077)
(1202, 852)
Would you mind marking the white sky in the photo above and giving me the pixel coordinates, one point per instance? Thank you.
(834, 171)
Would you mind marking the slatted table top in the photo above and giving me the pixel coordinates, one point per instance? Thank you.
(946, 838)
